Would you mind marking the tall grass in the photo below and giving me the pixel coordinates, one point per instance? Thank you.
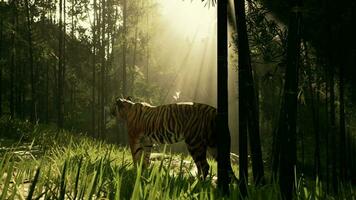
(78, 167)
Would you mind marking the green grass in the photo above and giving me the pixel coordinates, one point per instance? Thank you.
(92, 169)
(77, 167)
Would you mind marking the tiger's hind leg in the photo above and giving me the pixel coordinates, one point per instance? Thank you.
(198, 152)
(213, 151)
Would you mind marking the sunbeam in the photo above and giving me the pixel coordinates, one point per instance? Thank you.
(186, 44)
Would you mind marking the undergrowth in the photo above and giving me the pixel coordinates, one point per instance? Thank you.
(39, 165)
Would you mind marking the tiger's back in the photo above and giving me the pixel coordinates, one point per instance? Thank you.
(193, 122)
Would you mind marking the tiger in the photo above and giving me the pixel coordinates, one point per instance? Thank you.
(193, 123)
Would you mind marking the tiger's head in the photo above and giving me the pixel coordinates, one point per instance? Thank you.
(120, 108)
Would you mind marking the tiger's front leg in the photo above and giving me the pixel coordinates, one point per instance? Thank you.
(140, 146)
(147, 148)
(136, 148)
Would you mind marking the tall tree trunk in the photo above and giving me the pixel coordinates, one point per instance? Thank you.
(133, 68)
(47, 93)
(64, 57)
(327, 160)
(13, 58)
(99, 42)
(108, 42)
(333, 129)
(342, 152)
(1, 55)
(222, 99)
(60, 68)
(243, 158)
(243, 61)
(132, 82)
(22, 91)
(124, 71)
(317, 157)
(147, 45)
(33, 115)
(72, 18)
(353, 160)
(331, 62)
(288, 117)
(314, 112)
(246, 85)
(103, 66)
(17, 76)
(94, 70)
(55, 90)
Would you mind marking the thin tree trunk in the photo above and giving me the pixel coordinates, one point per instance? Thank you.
(98, 96)
(243, 61)
(249, 93)
(303, 148)
(333, 130)
(288, 116)
(55, 90)
(222, 99)
(60, 68)
(108, 43)
(13, 58)
(327, 160)
(133, 68)
(22, 91)
(17, 76)
(47, 93)
(342, 152)
(314, 114)
(331, 62)
(353, 161)
(147, 46)
(124, 71)
(349, 150)
(133, 63)
(29, 37)
(317, 134)
(352, 136)
(243, 159)
(103, 65)
(93, 70)
(1, 57)
(64, 61)
(72, 18)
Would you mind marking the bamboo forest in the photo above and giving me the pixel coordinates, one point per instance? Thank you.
(178, 99)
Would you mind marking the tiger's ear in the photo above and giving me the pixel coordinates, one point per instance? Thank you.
(119, 102)
(129, 98)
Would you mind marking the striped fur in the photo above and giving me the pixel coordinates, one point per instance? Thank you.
(193, 123)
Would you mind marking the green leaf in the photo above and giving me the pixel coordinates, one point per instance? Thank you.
(33, 185)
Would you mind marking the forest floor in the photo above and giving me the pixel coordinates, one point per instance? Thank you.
(35, 164)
